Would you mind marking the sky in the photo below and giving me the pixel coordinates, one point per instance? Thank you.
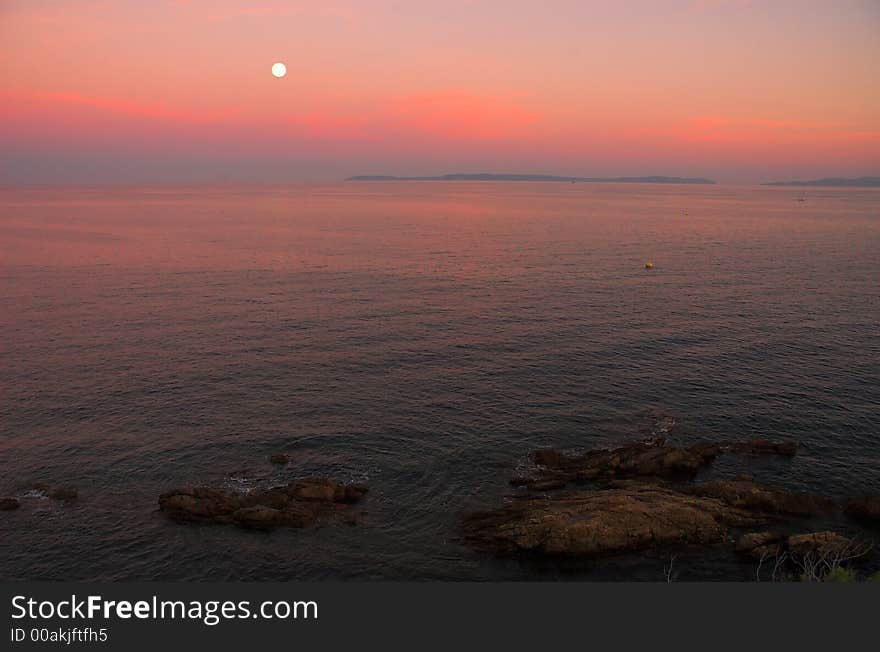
(742, 91)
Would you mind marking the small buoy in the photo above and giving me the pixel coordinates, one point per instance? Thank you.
(649, 265)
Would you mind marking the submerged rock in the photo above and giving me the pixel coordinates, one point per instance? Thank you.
(64, 494)
(279, 458)
(548, 484)
(786, 448)
(200, 503)
(8, 504)
(260, 517)
(297, 504)
(604, 521)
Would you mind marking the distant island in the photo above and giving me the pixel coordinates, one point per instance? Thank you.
(858, 182)
(531, 177)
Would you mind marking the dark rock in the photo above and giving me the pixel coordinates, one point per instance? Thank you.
(632, 460)
(548, 484)
(353, 493)
(297, 504)
(319, 490)
(643, 499)
(822, 543)
(706, 451)
(261, 517)
(605, 521)
(866, 508)
(549, 457)
(258, 517)
(653, 458)
(200, 503)
(763, 545)
(752, 540)
(279, 458)
(8, 504)
(64, 494)
(662, 423)
(760, 544)
(764, 447)
(751, 496)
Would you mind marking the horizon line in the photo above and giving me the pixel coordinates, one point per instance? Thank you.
(863, 181)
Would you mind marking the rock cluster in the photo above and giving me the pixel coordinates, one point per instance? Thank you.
(62, 494)
(629, 516)
(641, 496)
(298, 504)
(651, 459)
(644, 459)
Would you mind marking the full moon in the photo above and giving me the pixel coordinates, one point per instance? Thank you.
(279, 69)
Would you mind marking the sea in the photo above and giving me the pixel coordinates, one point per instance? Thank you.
(420, 338)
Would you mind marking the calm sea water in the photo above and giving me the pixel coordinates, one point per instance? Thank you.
(421, 338)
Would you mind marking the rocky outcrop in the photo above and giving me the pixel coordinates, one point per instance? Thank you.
(749, 495)
(297, 504)
(8, 504)
(642, 496)
(630, 515)
(821, 543)
(760, 544)
(652, 458)
(764, 545)
(649, 459)
(604, 521)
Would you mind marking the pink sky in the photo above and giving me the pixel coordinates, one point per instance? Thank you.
(181, 90)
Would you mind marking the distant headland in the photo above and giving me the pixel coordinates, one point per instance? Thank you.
(858, 182)
(531, 177)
